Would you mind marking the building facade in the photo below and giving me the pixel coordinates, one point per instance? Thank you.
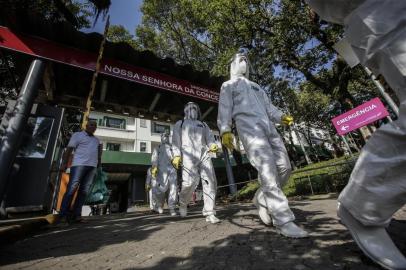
(130, 134)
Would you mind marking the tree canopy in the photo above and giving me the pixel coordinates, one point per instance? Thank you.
(76, 12)
(290, 48)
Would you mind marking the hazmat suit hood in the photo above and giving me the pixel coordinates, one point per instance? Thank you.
(165, 138)
(239, 66)
(192, 111)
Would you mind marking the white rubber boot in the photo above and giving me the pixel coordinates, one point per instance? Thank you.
(212, 219)
(291, 230)
(262, 210)
(172, 212)
(373, 241)
(183, 211)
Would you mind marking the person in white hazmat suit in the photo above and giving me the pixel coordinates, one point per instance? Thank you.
(248, 105)
(193, 145)
(150, 183)
(376, 32)
(165, 173)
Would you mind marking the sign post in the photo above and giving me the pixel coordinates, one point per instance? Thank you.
(94, 79)
(382, 91)
(11, 140)
(346, 144)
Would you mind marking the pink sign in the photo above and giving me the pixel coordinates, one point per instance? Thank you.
(360, 116)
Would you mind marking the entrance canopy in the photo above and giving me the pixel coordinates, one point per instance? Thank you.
(130, 82)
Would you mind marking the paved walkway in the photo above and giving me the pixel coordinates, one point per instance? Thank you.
(147, 241)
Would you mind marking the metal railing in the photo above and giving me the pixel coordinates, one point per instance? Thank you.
(309, 173)
(340, 168)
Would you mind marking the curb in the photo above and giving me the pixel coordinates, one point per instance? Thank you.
(18, 229)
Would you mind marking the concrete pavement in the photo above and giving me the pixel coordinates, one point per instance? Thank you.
(148, 241)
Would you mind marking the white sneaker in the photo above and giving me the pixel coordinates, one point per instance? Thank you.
(212, 219)
(262, 212)
(160, 210)
(173, 212)
(373, 241)
(183, 211)
(291, 230)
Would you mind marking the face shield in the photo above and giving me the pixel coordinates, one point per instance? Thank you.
(192, 111)
(240, 65)
(165, 138)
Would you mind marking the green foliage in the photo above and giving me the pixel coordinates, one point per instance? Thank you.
(76, 12)
(247, 192)
(313, 107)
(117, 33)
(327, 176)
(290, 49)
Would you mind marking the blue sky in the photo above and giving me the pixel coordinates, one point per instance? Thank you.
(123, 12)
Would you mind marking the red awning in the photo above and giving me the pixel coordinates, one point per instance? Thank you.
(53, 51)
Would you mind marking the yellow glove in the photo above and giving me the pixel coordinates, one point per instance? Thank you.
(147, 187)
(214, 148)
(287, 120)
(154, 171)
(176, 162)
(227, 140)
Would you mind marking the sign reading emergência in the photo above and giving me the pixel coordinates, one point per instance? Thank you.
(360, 116)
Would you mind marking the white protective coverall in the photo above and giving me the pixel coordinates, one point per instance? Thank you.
(191, 140)
(376, 31)
(151, 182)
(254, 115)
(166, 178)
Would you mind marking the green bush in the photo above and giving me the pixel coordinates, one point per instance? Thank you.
(247, 192)
(323, 179)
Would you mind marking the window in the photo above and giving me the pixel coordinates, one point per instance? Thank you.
(36, 137)
(93, 120)
(114, 122)
(155, 145)
(143, 123)
(113, 147)
(160, 128)
(143, 147)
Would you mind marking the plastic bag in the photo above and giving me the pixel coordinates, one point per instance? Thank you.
(98, 192)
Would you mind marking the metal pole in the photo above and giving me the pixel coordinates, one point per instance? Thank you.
(94, 78)
(310, 183)
(308, 160)
(229, 171)
(382, 91)
(354, 142)
(346, 144)
(10, 142)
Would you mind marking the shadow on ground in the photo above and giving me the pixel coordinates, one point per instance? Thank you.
(256, 247)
